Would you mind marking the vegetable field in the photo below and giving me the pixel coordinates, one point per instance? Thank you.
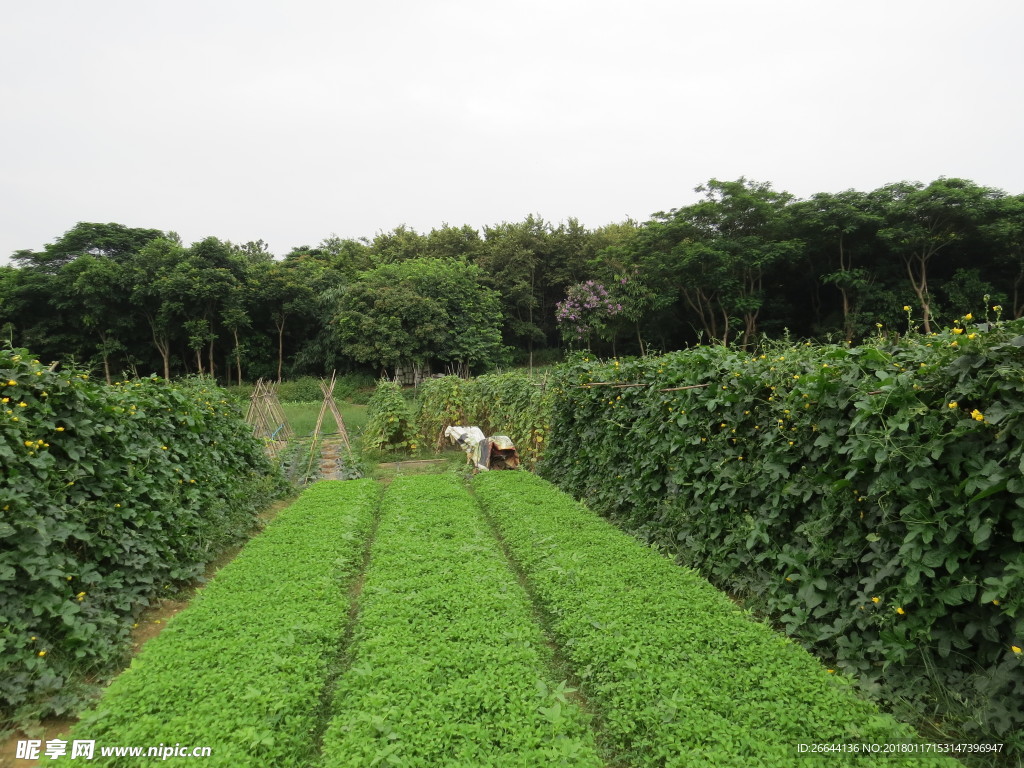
(435, 623)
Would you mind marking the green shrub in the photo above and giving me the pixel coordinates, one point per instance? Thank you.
(109, 494)
(302, 390)
(390, 424)
(869, 499)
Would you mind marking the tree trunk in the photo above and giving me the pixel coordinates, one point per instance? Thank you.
(238, 357)
(280, 346)
(919, 283)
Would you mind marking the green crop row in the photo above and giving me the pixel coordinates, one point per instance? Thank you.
(679, 674)
(242, 669)
(449, 668)
(108, 495)
(869, 499)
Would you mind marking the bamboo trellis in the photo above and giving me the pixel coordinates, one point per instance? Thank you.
(327, 388)
(267, 417)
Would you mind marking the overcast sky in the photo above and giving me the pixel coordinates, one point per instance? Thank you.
(293, 121)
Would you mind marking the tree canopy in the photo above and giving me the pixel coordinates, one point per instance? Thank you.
(743, 260)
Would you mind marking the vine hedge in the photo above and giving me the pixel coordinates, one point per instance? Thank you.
(511, 404)
(869, 499)
(391, 422)
(108, 495)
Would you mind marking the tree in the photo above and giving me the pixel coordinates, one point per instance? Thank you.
(285, 291)
(717, 253)
(922, 222)
(587, 310)
(202, 285)
(152, 291)
(400, 244)
(842, 228)
(1005, 232)
(420, 310)
(112, 241)
(92, 291)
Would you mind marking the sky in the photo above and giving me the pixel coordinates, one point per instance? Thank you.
(294, 121)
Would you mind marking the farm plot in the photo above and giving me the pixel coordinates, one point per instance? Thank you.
(241, 670)
(680, 675)
(447, 663)
(448, 666)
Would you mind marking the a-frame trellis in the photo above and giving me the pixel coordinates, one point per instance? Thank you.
(267, 417)
(327, 388)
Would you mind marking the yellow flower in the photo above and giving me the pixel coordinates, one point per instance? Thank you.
(41, 653)
(972, 335)
(163, 447)
(875, 599)
(1016, 649)
(977, 415)
(968, 316)
(900, 611)
(906, 307)
(995, 602)
(958, 330)
(12, 383)
(830, 671)
(997, 308)
(23, 404)
(5, 400)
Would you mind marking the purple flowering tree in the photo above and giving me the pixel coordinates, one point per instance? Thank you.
(586, 311)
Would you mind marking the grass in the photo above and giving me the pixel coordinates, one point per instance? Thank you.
(302, 418)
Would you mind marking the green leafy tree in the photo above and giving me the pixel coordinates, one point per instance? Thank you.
(1005, 234)
(400, 244)
(113, 241)
(923, 221)
(420, 310)
(719, 251)
(840, 230)
(285, 291)
(151, 291)
(93, 291)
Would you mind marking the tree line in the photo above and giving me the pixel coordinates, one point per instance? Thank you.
(744, 260)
